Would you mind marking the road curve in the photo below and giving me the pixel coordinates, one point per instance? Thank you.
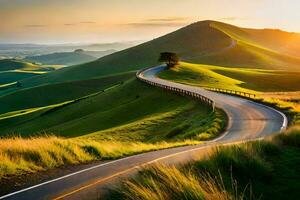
(247, 120)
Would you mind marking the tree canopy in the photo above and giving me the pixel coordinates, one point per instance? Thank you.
(171, 59)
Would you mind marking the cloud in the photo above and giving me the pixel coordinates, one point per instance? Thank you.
(156, 24)
(79, 23)
(35, 26)
(160, 22)
(70, 24)
(168, 19)
(87, 22)
(232, 18)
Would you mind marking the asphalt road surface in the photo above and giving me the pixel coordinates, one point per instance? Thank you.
(247, 121)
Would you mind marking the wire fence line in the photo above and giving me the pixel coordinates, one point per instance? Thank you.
(177, 90)
(244, 94)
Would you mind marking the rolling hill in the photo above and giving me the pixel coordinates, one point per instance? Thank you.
(238, 79)
(205, 42)
(15, 64)
(69, 58)
(12, 70)
(131, 104)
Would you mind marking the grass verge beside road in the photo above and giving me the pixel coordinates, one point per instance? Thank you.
(255, 170)
(19, 156)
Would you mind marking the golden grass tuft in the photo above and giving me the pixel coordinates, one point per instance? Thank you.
(19, 155)
(163, 182)
(215, 177)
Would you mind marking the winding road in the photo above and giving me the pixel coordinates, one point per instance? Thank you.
(247, 121)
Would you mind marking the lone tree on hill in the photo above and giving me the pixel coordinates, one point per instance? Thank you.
(171, 59)
(78, 50)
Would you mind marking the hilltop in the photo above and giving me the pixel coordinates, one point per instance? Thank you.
(205, 42)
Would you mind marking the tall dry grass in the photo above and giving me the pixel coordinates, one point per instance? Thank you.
(168, 182)
(214, 177)
(20, 155)
(289, 101)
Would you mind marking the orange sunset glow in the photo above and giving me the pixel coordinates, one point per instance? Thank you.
(75, 21)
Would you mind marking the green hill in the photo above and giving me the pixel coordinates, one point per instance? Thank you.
(238, 79)
(12, 70)
(271, 39)
(14, 64)
(205, 42)
(132, 103)
(195, 39)
(69, 58)
(56, 93)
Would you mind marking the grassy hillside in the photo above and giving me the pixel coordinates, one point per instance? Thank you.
(271, 39)
(244, 55)
(57, 93)
(240, 79)
(12, 70)
(256, 170)
(132, 104)
(205, 42)
(12, 64)
(121, 121)
(10, 77)
(274, 87)
(195, 39)
(253, 50)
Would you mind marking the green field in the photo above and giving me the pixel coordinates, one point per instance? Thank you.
(12, 70)
(14, 64)
(13, 76)
(182, 41)
(239, 79)
(57, 93)
(110, 109)
(108, 123)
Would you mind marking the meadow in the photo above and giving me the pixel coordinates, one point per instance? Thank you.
(239, 79)
(20, 156)
(13, 70)
(289, 101)
(93, 135)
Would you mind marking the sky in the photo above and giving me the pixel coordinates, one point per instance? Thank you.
(101, 21)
